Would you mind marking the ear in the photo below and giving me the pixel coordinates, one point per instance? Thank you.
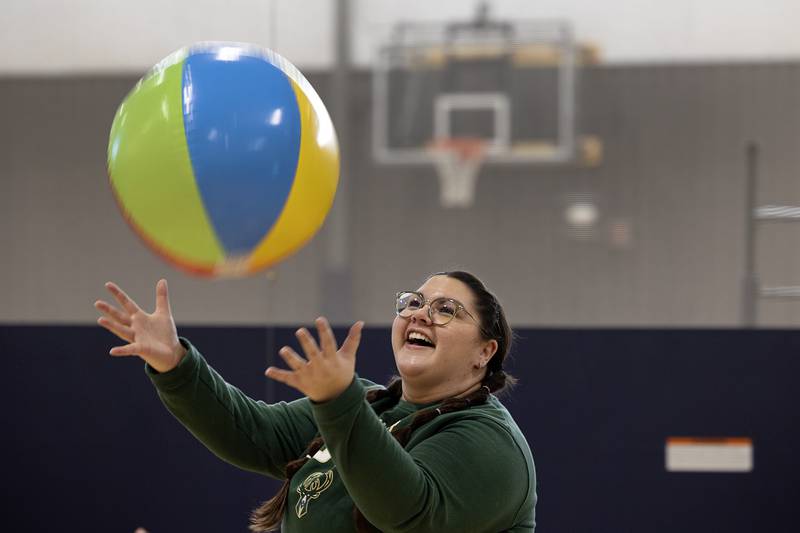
(487, 352)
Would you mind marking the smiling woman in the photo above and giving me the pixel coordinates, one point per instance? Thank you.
(440, 348)
(435, 450)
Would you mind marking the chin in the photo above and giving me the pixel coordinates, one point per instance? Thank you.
(411, 364)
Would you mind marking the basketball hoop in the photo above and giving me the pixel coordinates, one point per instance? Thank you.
(458, 161)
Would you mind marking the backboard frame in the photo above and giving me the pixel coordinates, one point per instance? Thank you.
(428, 45)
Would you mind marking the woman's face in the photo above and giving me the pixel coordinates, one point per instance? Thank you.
(458, 354)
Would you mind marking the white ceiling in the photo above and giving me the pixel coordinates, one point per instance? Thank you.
(56, 37)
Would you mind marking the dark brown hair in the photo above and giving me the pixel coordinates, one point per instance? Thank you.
(268, 516)
(492, 320)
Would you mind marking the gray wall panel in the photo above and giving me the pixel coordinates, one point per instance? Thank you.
(674, 169)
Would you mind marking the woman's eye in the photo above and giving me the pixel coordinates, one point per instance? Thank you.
(414, 302)
(446, 309)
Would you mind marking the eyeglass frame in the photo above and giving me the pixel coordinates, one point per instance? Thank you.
(425, 301)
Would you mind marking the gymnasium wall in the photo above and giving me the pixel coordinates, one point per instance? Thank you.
(673, 172)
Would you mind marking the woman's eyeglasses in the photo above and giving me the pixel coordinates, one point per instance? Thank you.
(441, 310)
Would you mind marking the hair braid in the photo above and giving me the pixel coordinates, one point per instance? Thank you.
(394, 389)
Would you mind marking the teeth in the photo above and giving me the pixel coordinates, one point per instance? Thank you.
(418, 336)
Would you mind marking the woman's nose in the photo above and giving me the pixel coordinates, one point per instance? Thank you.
(421, 315)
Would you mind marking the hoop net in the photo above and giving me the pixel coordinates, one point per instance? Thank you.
(458, 161)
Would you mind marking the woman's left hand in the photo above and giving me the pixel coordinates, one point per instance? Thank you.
(327, 371)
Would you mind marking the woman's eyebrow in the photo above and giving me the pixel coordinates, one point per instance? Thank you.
(440, 296)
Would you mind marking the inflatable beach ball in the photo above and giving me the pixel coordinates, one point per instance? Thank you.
(223, 159)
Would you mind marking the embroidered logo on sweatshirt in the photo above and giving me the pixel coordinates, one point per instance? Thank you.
(310, 489)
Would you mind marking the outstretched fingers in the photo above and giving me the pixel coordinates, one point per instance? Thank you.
(292, 358)
(120, 330)
(287, 377)
(112, 312)
(307, 342)
(123, 299)
(326, 338)
(327, 371)
(350, 344)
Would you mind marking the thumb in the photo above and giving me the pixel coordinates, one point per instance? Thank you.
(129, 349)
(162, 297)
(350, 344)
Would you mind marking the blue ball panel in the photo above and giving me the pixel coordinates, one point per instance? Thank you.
(242, 127)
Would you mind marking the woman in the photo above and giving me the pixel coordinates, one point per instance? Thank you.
(433, 451)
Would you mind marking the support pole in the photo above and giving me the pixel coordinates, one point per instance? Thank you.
(336, 282)
(750, 284)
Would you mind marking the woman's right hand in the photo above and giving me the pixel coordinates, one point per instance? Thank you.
(151, 336)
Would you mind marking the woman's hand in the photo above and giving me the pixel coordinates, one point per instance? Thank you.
(152, 337)
(326, 372)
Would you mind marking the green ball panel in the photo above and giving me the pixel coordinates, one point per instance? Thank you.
(151, 173)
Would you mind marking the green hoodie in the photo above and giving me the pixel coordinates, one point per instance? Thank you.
(467, 471)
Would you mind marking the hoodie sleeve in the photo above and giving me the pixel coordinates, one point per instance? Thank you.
(469, 474)
(249, 434)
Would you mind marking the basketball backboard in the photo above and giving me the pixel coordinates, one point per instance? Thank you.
(512, 84)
